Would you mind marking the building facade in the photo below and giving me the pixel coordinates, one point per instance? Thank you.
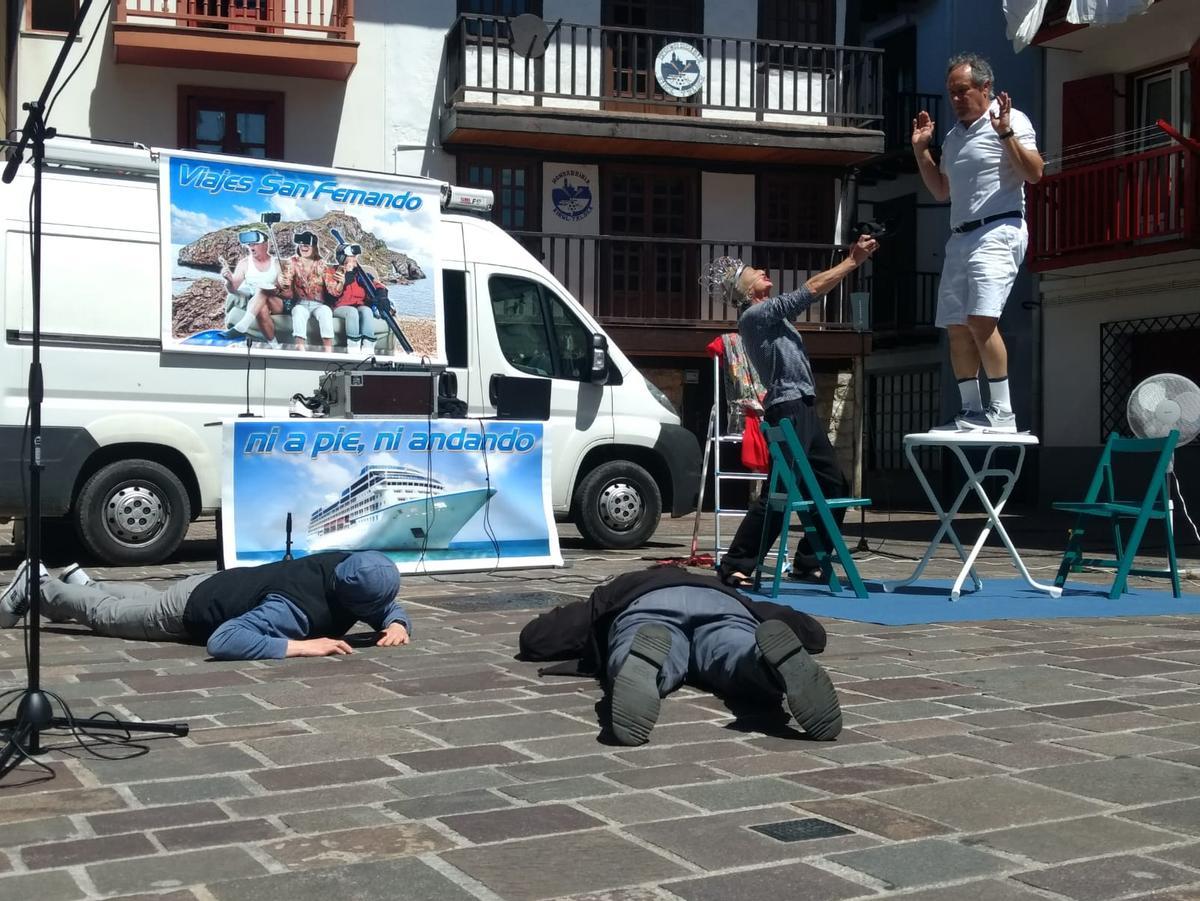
(1113, 226)
(627, 142)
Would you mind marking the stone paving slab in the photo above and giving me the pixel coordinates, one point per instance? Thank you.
(996, 761)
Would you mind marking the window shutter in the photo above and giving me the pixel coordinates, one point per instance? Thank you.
(1088, 114)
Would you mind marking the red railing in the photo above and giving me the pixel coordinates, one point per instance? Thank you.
(1129, 206)
(303, 18)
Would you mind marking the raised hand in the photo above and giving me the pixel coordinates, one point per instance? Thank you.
(1000, 121)
(922, 131)
(861, 250)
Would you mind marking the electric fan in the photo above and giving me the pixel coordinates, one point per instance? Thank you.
(1164, 402)
(1160, 403)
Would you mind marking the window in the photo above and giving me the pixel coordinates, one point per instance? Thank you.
(502, 8)
(1165, 94)
(514, 185)
(795, 208)
(240, 123)
(797, 21)
(538, 334)
(52, 15)
(499, 7)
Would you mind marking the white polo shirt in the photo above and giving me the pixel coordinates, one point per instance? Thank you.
(983, 181)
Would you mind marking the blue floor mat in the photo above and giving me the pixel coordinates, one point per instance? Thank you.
(929, 602)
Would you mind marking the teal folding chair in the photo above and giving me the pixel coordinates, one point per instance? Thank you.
(793, 489)
(1102, 503)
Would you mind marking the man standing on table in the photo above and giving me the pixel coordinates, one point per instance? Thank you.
(777, 351)
(987, 158)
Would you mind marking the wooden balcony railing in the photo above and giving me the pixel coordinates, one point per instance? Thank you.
(598, 67)
(1129, 206)
(316, 19)
(655, 281)
(901, 300)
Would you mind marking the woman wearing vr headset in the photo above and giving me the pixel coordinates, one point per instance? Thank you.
(350, 298)
(304, 286)
(259, 275)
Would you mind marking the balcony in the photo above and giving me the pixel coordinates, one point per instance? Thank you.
(899, 109)
(646, 293)
(903, 303)
(594, 90)
(306, 38)
(1130, 206)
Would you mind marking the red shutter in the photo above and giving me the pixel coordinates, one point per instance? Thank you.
(1088, 114)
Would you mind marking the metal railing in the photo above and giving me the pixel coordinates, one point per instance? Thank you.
(900, 109)
(901, 300)
(655, 281)
(317, 19)
(598, 67)
(1118, 208)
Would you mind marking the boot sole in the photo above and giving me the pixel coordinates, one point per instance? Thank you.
(635, 700)
(9, 617)
(811, 697)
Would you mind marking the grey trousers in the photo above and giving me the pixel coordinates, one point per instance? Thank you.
(122, 609)
(712, 642)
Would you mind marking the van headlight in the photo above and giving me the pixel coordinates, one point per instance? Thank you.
(658, 395)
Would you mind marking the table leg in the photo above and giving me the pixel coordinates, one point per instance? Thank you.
(946, 527)
(974, 481)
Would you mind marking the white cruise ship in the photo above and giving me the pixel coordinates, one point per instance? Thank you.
(393, 508)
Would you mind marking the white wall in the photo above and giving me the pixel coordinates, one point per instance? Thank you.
(1073, 311)
(326, 122)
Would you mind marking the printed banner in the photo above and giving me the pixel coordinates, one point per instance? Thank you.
(281, 259)
(435, 496)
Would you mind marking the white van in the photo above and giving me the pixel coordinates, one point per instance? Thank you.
(128, 457)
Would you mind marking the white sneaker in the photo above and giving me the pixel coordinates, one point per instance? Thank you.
(75, 575)
(14, 603)
(955, 423)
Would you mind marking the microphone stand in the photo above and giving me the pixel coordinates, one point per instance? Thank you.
(35, 712)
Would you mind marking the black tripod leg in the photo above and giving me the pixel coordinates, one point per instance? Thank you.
(105, 724)
(17, 740)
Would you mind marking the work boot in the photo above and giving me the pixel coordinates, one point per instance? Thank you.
(14, 603)
(811, 696)
(635, 700)
(75, 575)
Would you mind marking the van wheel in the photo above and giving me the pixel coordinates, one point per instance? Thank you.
(617, 505)
(132, 511)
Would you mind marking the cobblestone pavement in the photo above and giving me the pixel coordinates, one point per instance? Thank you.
(995, 760)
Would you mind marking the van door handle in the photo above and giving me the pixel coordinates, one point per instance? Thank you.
(494, 388)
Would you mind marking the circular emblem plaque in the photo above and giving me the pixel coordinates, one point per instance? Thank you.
(679, 68)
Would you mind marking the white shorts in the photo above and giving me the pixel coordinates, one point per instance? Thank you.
(979, 271)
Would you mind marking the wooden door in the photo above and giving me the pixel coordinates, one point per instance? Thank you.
(243, 15)
(633, 32)
(646, 277)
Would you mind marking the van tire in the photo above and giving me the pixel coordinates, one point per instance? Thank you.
(132, 512)
(617, 505)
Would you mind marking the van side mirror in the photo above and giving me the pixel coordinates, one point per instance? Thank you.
(599, 370)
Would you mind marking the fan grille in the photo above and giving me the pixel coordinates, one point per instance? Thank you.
(1162, 403)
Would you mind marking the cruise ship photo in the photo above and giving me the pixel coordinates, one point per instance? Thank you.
(394, 508)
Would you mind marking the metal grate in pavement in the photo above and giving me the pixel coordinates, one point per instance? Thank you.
(801, 830)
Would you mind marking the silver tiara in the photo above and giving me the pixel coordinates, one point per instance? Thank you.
(721, 277)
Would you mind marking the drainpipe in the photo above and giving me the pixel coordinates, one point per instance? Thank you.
(12, 34)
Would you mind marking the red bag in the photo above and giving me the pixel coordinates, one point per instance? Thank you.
(754, 446)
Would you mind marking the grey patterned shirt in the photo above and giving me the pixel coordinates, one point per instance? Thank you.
(776, 348)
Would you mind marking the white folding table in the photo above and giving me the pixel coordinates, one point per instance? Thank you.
(958, 443)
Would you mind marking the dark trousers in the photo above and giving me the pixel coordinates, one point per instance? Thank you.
(742, 555)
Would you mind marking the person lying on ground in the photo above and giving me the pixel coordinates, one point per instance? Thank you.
(644, 633)
(292, 608)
